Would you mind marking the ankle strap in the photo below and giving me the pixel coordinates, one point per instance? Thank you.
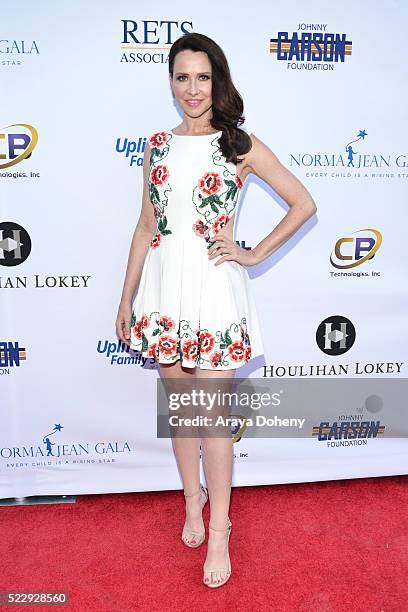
(202, 488)
(192, 494)
(225, 529)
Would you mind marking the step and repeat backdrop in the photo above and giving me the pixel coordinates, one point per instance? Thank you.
(83, 84)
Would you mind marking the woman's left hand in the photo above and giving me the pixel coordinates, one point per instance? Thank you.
(230, 251)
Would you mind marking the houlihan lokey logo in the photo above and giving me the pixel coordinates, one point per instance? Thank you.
(335, 335)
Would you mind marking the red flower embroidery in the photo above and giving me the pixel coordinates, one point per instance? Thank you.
(200, 228)
(190, 350)
(158, 140)
(137, 330)
(236, 351)
(167, 345)
(216, 358)
(207, 341)
(167, 323)
(219, 223)
(210, 183)
(143, 322)
(238, 181)
(154, 350)
(159, 175)
(155, 241)
(248, 353)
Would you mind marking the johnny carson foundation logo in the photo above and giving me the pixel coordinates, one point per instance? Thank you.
(13, 52)
(148, 41)
(311, 47)
(11, 356)
(355, 250)
(50, 450)
(352, 429)
(17, 142)
(352, 160)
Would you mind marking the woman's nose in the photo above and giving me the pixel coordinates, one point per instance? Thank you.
(193, 89)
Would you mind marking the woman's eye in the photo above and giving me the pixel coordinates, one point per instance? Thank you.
(184, 77)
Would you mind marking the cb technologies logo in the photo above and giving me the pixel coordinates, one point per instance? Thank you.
(17, 142)
(355, 250)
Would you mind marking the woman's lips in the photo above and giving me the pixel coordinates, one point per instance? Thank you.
(193, 103)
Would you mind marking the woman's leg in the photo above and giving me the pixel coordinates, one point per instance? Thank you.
(187, 453)
(218, 462)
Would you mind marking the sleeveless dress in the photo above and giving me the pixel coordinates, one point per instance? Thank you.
(186, 308)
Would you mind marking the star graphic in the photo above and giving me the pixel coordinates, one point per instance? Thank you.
(57, 427)
(362, 134)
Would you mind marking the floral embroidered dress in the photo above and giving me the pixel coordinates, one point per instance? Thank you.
(186, 308)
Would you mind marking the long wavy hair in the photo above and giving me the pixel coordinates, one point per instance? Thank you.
(227, 103)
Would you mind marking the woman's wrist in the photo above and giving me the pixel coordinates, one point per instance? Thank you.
(125, 300)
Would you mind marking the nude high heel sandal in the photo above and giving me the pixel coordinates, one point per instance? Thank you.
(208, 570)
(192, 538)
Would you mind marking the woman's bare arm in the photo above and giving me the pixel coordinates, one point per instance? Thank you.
(145, 230)
(264, 163)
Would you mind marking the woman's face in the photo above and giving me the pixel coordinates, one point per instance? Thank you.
(192, 82)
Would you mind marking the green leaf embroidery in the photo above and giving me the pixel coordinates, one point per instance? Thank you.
(228, 337)
(145, 343)
(154, 194)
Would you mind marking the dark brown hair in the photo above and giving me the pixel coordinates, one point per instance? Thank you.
(227, 104)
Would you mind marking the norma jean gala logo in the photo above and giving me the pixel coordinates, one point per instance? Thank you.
(52, 449)
(352, 156)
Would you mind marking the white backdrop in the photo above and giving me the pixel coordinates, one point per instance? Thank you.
(76, 419)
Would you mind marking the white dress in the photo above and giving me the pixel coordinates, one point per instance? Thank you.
(186, 308)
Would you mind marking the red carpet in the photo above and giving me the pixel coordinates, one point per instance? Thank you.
(318, 547)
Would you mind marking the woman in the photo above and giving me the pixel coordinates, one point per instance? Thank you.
(195, 313)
